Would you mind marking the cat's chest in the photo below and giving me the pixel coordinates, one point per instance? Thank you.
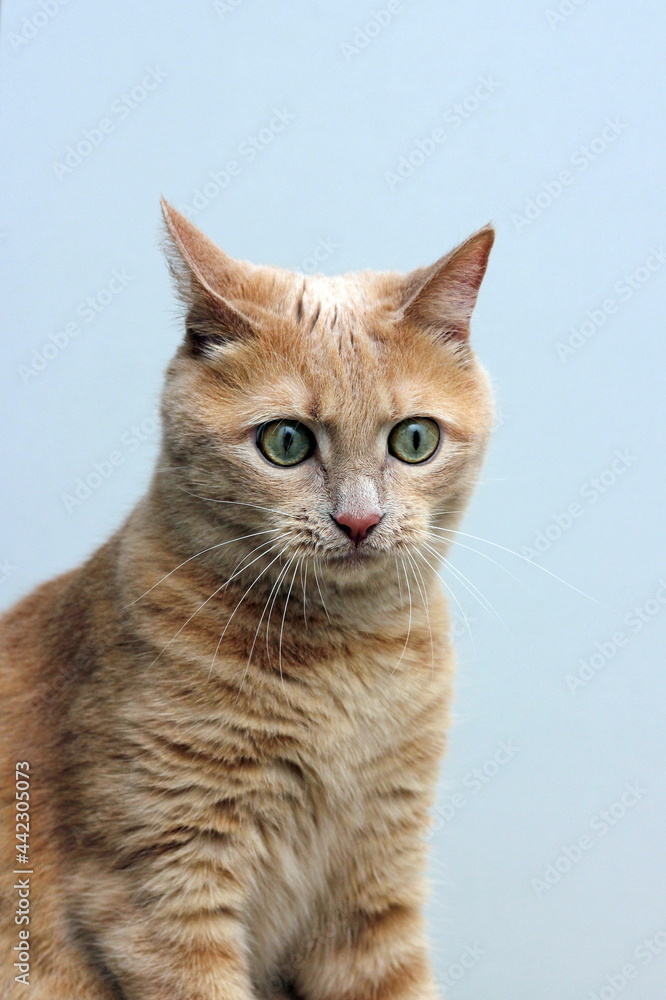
(360, 732)
(357, 724)
(306, 764)
(353, 762)
(342, 717)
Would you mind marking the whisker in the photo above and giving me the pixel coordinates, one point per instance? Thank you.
(304, 583)
(474, 591)
(195, 556)
(459, 576)
(237, 503)
(424, 596)
(256, 579)
(284, 615)
(480, 597)
(283, 573)
(397, 573)
(484, 555)
(518, 555)
(409, 625)
(451, 592)
(315, 563)
(204, 603)
(256, 633)
(242, 562)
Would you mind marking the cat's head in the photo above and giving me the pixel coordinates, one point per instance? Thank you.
(347, 415)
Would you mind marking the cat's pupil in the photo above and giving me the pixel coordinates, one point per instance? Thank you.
(416, 440)
(287, 439)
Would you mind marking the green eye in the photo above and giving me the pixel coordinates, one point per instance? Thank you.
(285, 442)
(414, 440)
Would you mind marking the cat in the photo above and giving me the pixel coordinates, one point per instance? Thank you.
(227, 724)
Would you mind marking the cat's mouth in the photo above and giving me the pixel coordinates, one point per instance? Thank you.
(356, 555)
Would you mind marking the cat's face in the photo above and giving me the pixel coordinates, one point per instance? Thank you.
(346, 413)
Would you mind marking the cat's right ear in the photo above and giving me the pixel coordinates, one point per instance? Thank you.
(206, 278)
(441, 298)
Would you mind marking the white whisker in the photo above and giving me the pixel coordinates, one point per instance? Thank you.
(204, 603)
(283, 573)
(284, 615)
(237, 503)
(242, 562)
(424, 595)
(314, 566)
(474, 591)
(273, 589)
(256, 579)
(518, 555)
(409, 626)
(450, 591)
(484, 555)
(397, 573)
(210, 548)
(304, 583)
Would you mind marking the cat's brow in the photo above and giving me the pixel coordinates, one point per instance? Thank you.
(278, 413)
(410, 403)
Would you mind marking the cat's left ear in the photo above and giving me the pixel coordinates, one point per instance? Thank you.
(441, 298)
(206, 279)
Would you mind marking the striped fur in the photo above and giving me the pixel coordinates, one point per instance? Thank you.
(233, 718)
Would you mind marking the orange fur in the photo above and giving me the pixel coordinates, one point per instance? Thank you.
(234, 737)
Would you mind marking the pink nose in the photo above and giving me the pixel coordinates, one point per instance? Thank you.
(357, 526)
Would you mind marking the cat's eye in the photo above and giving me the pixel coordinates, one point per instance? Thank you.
(286, 442)
(414, 440)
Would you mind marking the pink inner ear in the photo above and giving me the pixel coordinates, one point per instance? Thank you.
(211, 267)
(205, 276)
(446, 294)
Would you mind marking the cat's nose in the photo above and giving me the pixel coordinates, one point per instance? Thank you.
(357, 526)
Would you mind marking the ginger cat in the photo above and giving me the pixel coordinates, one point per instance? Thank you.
(227, 723)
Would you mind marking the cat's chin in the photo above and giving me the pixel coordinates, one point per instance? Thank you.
(356, 563)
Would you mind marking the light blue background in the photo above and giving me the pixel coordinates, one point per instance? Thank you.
(555, 84)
